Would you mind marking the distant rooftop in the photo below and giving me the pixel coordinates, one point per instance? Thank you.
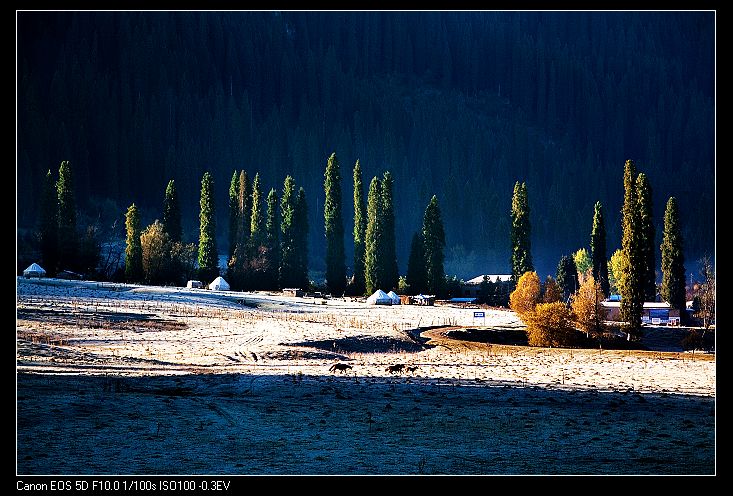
(462, 300)
(492, 277)
(647, 304)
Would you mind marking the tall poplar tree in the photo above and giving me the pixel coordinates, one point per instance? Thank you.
(133, 246)
(334, 226)
(373, 267)
(67, 234)
(233, 213)
(389, 256)
(647, 233)
(520, 232)
(257, 221)
(673, 259)
(172, 213)
(598, 249)
(208, 258)
(631, 283)
(434, 243)
(288, 256)
(49, 224)
(360, 217)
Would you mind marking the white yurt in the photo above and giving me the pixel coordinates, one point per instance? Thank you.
(219, 284)
(379, 298)
(395, 297)
(34, 270)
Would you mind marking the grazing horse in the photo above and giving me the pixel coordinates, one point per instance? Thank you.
(341, 367)
(396, 369)
(412, 368)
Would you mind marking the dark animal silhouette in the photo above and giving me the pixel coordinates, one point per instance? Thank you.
(341, 367)
(412, 369)
(396, 369)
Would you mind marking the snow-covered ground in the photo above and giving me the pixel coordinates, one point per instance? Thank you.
(115, 358)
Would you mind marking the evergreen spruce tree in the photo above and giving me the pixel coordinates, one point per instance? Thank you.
(391, 272)
(598, 249)
(208, 258)
(257, 223)
(673, 259)
(172, 213)
(288, 256)
(67, 234)
(647, 233)
(373, 266)
(520, 232)
(434, 242)
(334, 226)
(49, 224)
(233, 213)
(272, 230)
(301, 240)
(133, 248)
(631, 282)
(360, 217)
(416, 275)
(567, 276)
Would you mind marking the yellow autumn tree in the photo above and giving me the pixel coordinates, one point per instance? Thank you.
(154, 241)
(525, 297)
(588, 312)
(550, 324)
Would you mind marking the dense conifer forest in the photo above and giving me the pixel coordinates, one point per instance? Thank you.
(461, 105)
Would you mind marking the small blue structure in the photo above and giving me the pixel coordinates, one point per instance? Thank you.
(463, 300)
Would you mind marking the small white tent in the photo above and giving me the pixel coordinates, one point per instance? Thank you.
(34, 270)
(379, 298)
(395, 298)
(193, 284)
(219, 284)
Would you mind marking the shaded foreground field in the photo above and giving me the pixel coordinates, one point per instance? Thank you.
(296, 424)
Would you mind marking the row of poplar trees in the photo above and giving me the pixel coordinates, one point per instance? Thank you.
(267, 242)
(636, 278)
(267, 236)
(375, 254)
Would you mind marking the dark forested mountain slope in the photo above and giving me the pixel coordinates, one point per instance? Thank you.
(457, 104)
